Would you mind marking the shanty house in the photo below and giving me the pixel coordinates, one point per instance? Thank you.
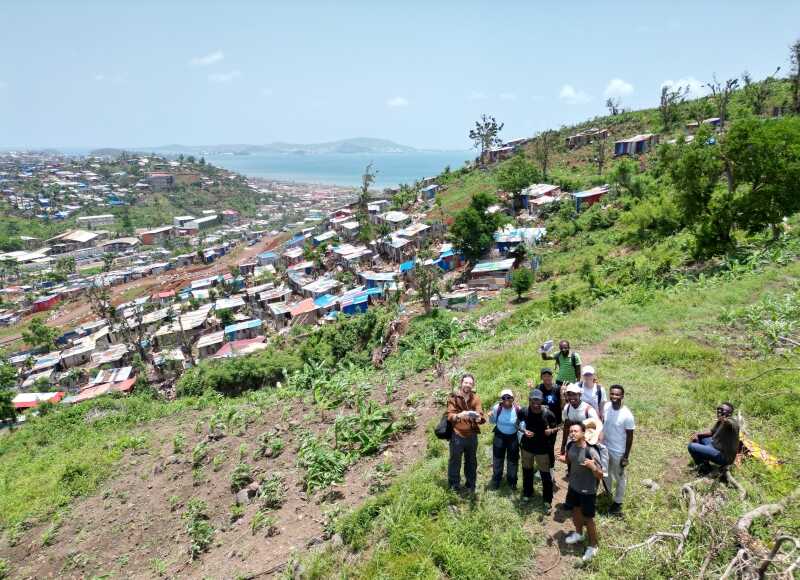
(495, 274)
(243, 330)
(209, 344)
(584, 199)
(636, 145)
(157, 236)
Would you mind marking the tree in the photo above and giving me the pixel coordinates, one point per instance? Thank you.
(8, 379)
(671, 97)
(756, 94)
(484, 135)
(39, 335)
(225, 317)
(427, 279)
(65, 266)
(794, 76)
(125, 222)
(367, 179)
(472, 232)
(600, 155)
(108, 262)
(721, 96)
(614, 106)
(699, 110)
(521, 281)
(765, 161)
(542, 148)
(516, 174)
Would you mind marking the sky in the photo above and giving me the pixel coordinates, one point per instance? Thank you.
(140, 73)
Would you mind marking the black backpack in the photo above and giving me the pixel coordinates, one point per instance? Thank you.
(443, 429)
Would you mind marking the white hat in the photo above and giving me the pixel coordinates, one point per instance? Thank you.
(588, 370)
(593, 429)
(505, 392)
(574, 388)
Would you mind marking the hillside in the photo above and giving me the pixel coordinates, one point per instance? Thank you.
(346, 477)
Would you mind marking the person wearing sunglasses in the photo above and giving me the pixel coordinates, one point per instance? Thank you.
(505, 446)
(718, 445)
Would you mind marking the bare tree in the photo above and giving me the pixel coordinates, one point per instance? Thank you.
(614, 106)
(671, 97)
(755, 93)
(794, 76)
(600, 155)
(542, 147)
(366, 181)
(484, 135)
(426, 279)
(721, 96)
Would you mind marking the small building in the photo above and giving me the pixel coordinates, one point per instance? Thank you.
(181, 220)
(417, 232)
(586, 137)
(349, 230)
(78, 355)
(203, 223)
(495, 274)
(537, 191)
(381, 280)
(241, 347)
(459, 300)
(32, 400)
(328, 236)
(304, 312)
(233, 303)
(72, 241)
(320, 287)
(209, 344)
(292, 256)
(46, 302)
(428, 193)
(160, 181)
(157, 236)
(119, 245)
(395, 219)
(584, 199)
(507, 239)
(92, 222)
(636, 145)
(267, 258)
(243, 330)
(230, 216)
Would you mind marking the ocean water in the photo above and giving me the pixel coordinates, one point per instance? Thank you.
(343, 168)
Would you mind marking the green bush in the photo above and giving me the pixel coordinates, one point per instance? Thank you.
(198, 528)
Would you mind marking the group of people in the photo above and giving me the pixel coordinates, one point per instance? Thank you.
(597, 438)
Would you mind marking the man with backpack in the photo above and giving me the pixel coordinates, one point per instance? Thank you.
(465, 414)
(575, 411)
(618, 438)
(586, 471)
(568, 364)
(592, 392)
(539, 430)
(505, 446)
(553, 400)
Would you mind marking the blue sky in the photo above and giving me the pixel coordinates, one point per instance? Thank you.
(142, 73)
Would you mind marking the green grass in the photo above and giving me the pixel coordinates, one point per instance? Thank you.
(670, 353)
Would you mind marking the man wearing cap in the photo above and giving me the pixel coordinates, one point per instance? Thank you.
(592, 392)
(575, 411)
(505, 446)
(539, 430)
(586, 472)
(554, 400)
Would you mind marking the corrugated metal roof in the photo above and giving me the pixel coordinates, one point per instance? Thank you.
(496, 266)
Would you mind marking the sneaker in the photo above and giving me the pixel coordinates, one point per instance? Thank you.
(615, 509)
(547, 507)
(573, 538)
(590, 553)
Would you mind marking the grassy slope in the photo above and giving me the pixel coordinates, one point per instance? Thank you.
(672, 354)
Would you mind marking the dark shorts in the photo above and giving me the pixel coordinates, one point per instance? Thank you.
(585, 501)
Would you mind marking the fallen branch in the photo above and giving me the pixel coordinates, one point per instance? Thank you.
(731, 480)
(779, 541)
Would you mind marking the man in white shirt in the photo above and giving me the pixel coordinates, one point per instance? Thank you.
(617, 436)
(575, 411)
(592, 392)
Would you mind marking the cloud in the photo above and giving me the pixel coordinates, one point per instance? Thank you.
(696, 88)
(618, 88)
(397, 102)
(208, 59)
(223, 78)
(508, 96)
(266, 92)
(477, 96)
(572, 96)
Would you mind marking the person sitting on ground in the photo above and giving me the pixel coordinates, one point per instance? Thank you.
(618, 438)
(568, 364)
(539, 430)
(505, 446)
(719, 445)
(592, 392)
(585, 473)
(465, 413)
(575, 411)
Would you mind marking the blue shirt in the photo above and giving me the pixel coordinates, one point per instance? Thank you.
(507, 420)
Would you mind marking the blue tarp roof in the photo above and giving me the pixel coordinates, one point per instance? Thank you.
(231, 328)
(325, 300)
(446, 254)
(268, 255)
(406, 266)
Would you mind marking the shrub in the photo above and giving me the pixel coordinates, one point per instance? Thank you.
(197, 526)
(241, 477)
(522, 281)
(272, 492)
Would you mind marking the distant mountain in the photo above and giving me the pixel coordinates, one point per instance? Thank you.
(356, 145)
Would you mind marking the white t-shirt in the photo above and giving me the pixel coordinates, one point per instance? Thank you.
(580, 414)
(615, 424)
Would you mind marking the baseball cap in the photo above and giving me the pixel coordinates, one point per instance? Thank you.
(536, 394)
(546, 371)
(588, 370)
(574, 388)
(506, 392)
